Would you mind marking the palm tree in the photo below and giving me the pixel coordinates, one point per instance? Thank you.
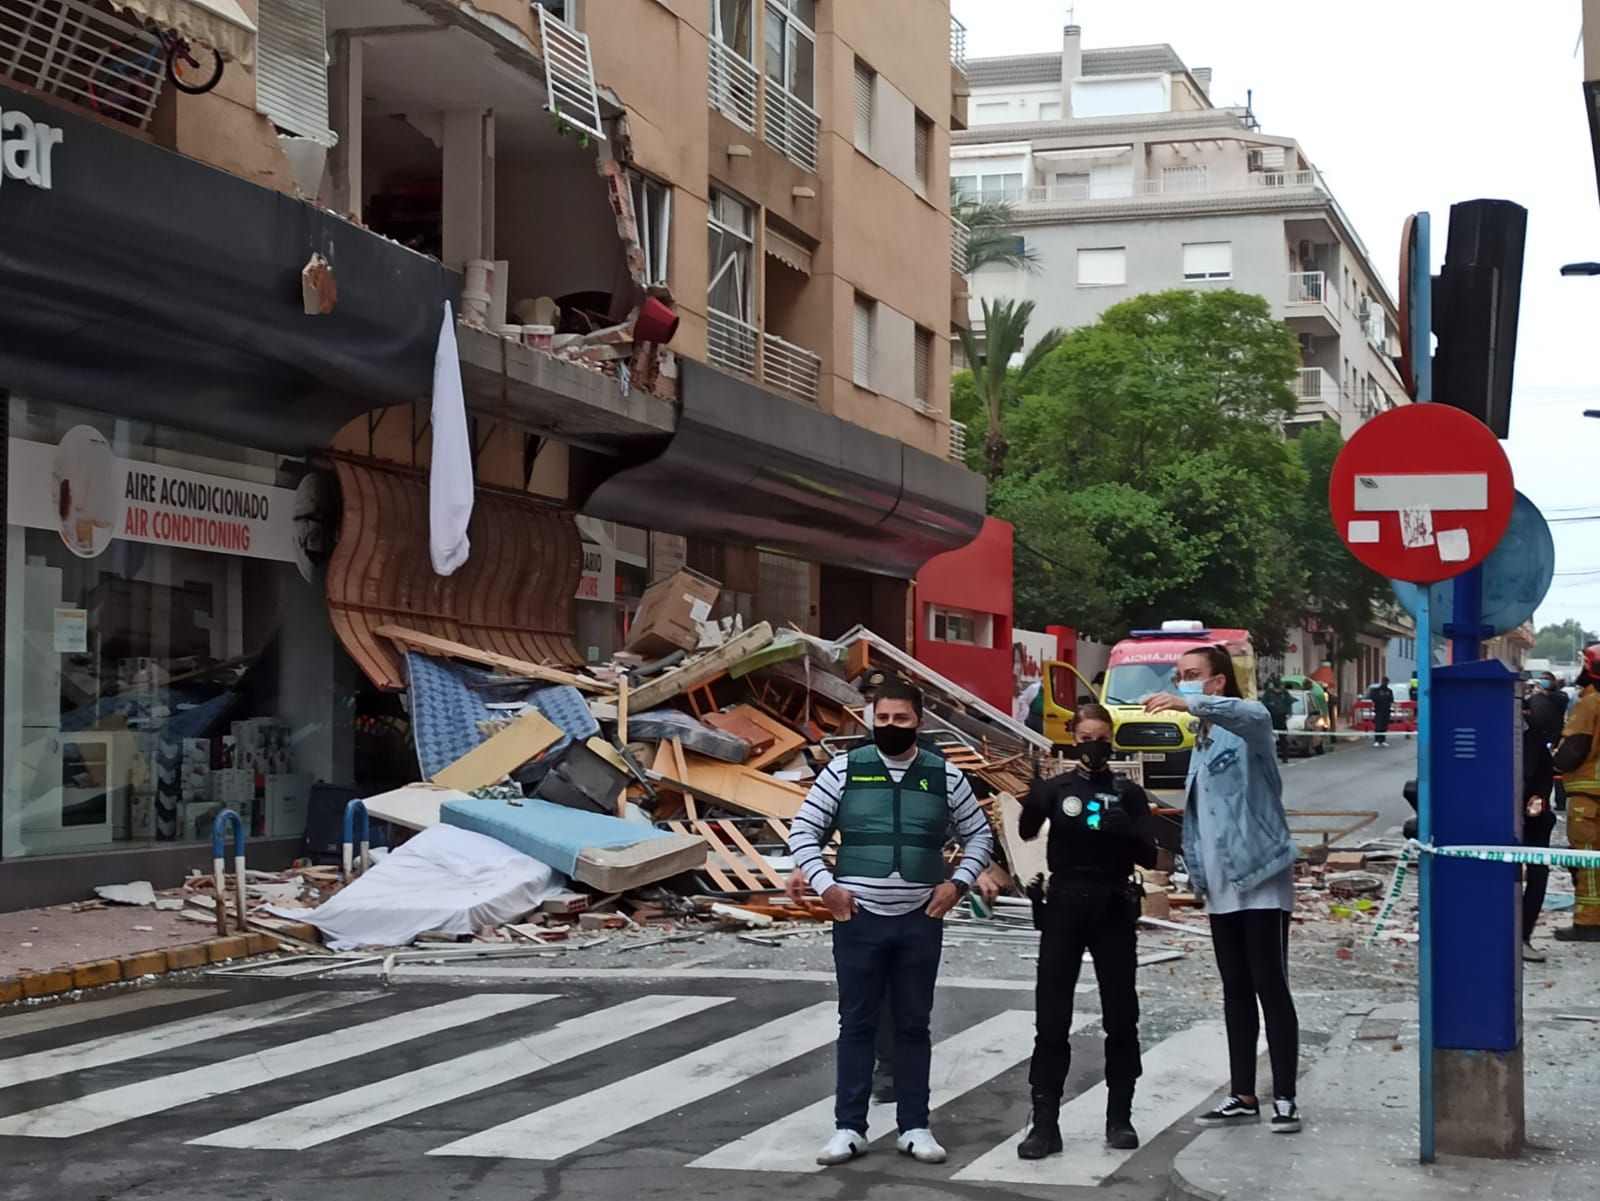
(1005, 333)
(991, 232)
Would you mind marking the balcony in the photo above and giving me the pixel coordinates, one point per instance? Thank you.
(734, 86)
(1313, 304)
(960, 236)
(68, 49)
(789, 125)
(958, 44)
(792, 370)
(1318, 393)
(958, 442)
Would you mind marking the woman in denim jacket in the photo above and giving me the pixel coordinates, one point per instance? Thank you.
(1240, 857)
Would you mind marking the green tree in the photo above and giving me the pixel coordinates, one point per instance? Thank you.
(995, 383)
(991, 232)
(1156, 433)
(1341, 594)
(1562, 643)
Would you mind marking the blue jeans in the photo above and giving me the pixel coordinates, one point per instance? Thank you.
(877, 959)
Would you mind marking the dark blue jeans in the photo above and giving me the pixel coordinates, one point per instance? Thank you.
(878, 960)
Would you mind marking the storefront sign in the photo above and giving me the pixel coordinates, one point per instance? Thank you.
(599, 579)
(90, 496)
(72, 631)
(26, 147)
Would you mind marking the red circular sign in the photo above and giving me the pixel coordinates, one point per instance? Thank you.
(1421, 493)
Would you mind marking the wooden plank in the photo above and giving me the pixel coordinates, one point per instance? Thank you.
(820, 682)
(757, 859)
(712, 833)
(785, 741)
(499, 756)
(700, 669)
(735, 786)
(712, 871)
(622, 710)
(460, 650)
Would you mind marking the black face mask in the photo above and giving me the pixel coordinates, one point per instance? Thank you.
(894, 741)
(1094, 755)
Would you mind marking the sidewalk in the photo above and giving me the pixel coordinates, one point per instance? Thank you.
(1361, 1132)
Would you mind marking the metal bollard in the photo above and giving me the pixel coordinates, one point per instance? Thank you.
(351, 811)
(219, 874)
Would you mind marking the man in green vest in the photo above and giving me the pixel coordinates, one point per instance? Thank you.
(892, 804)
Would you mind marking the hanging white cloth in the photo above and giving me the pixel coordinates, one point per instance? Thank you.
(450, 476)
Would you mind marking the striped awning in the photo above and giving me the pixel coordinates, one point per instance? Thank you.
(788, 251)
(220, 24)
(515, 596)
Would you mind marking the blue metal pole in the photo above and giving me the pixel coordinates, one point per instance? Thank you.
(1425, 872)
(1421, 288)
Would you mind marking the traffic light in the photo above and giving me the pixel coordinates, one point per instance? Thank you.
(1476, 296)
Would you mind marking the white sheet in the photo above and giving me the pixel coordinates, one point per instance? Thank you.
(450, 487)
(443, 879)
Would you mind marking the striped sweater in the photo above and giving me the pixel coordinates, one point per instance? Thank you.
(889, 896)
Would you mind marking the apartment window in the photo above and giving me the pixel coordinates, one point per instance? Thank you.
(652, 210)
(923, 152)
(865, 319)
(732, 238)
(792, 47)
(292, 67)
(1102, 266)
(1183, 179)
(1208, 260)
(567, 10)
(1050, 110)
(1005, 188)
(865, 83)
(992, 112)
(922, 367)
(731, 25)
(1071, 185)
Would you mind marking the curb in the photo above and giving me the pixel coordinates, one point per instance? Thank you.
(97, 973)
(1181, 1188)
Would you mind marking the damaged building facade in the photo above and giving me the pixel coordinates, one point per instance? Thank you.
(700, 253)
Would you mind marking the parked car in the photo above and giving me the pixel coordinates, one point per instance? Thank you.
(1312, 712)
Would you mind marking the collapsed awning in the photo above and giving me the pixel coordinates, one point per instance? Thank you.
(210, 334)
(220, 24)
(515, 596)
(788, 251)
(750, 467)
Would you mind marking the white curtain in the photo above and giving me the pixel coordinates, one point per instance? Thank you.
(450, 476)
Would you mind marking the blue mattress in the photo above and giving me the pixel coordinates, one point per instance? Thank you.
(552, 834)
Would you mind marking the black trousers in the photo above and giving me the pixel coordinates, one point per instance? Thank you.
(1253, 957)
(1536, 832)
(1100, 919)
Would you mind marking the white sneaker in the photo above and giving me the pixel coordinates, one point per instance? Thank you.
(844, 1146)
(921, 1146)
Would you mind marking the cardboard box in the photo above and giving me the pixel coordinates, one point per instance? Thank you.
(670, 612)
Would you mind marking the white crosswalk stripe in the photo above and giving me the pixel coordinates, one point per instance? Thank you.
(98, 1110)
(960, 1064)
(358, 1109)
(119, 1048)
(57, 1016)
(572, 1125)
(1179, 1074)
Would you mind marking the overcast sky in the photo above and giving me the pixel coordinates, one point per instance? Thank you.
(1412, 105)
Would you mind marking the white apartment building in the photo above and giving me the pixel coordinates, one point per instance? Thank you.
(1126, 179)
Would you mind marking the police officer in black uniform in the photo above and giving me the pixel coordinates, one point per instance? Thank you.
(1099, 831)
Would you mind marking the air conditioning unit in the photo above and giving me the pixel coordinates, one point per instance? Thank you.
(1365, 309)
(1256, 161)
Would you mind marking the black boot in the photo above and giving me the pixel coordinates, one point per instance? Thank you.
(1120, 1134)
(1044, 1134)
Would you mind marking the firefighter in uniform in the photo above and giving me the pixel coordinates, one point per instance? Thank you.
(1577, 758)
(1098, 833)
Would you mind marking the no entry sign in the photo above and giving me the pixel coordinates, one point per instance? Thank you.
(1421, 493)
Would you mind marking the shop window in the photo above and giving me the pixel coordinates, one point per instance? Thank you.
(960, 626)
(168, 647)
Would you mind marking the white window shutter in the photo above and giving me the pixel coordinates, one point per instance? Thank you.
(1103, 265)
(865, 79)
(863, 342)
(922, 367)
(1207, 260)
(292, 67)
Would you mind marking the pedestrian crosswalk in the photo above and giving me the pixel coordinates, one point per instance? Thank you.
(546, 1075)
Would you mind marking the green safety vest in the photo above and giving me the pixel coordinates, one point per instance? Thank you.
(886, 827)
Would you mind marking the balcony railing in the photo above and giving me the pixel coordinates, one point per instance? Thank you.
(1310, 287)
(734, 86)
(958, 442)
(732, 344)
(790, 125)
(960, 237)
(1314, 383)
(958, 43)
(790, 369)
(569, 73)
(1175, 185)
(68, 49)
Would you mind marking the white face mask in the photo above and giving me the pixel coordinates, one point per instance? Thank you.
(1191, 688)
